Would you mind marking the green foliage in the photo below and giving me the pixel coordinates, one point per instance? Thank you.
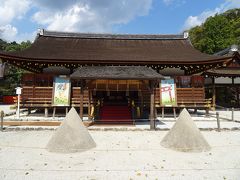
(217, 33)
(3, 45)
(13, 74)
(13, 46)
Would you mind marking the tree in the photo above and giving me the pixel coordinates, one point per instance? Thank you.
(13, 74)
(217, 32)
(3, 44)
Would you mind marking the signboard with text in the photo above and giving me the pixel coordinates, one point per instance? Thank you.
(61, 91)
(168, 92)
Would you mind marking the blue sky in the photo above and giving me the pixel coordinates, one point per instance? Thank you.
(22, 18)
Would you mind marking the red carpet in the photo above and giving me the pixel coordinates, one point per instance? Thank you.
(114, 114)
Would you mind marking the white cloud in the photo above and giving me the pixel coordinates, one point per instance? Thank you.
(12, 9)
(175, 3)
(168, 2)
(8, 32)
(70, 15)
(89, 15)
(192, 21)
(9, 11)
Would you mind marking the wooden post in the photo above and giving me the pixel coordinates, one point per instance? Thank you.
(155, 113)
(46, 112)
(142, 105)
(54, 112)
(29, 110)
(232, 114)
(81, 104)
(174, 112)
(162, 112)
(195, 110)
(218, 121)
(66, 110)
(89, 104)
(213, 94)
(152, 123)
(1, 116)
(238, 98)
(207, 112)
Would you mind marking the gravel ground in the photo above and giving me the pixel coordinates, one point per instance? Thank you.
(118, 155)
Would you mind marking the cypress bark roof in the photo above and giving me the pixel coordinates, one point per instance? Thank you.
(116, 72)
(111, 48)
(224, 72)
(77, 49)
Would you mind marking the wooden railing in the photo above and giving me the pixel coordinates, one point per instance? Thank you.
(187, 97)
(42, 97)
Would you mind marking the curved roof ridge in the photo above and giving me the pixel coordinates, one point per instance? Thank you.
(110, 35)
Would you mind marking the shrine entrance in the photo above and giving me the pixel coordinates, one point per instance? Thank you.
(120, 93)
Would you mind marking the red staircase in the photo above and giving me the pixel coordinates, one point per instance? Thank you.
(115, 114)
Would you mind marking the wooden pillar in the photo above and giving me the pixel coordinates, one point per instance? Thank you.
(46, 112)
(226, 92)
(213, 94)
(29, 110)
(174, 113)
(163, 112)
(151, 117)
(66, 110)
(81, 104)
(142, 105)
(89, 104)
(207, 113)
(54, 112)
(238, 98)
(232, 91)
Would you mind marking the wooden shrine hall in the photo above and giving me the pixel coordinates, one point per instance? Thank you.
(114, 78)
(225, 80)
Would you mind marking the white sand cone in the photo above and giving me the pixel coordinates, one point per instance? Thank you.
(71, 136)
(185, 136)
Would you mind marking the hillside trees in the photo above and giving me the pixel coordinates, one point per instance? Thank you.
(13, 74)
(217, 32)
